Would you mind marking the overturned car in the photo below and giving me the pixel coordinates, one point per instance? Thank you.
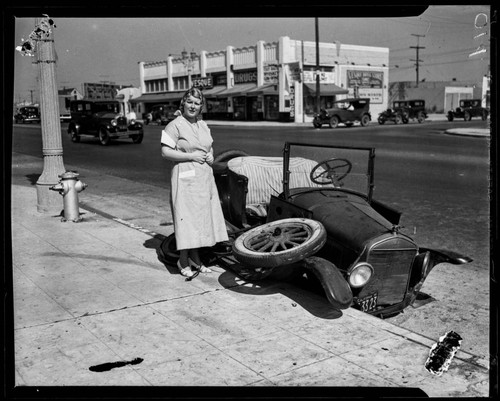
(311, 214)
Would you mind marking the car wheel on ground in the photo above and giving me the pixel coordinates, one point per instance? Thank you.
(104, 137)
(420, 117)
(450, 116)
(316, 123)
(137, 138)
(467, 116)
(399, 119)
(381, 120)
(334, 122)
(279, 242)
(365, 120)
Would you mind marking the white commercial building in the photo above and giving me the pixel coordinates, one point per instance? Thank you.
(270, 81)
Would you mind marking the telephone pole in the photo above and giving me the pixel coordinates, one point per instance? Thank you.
(417, 47)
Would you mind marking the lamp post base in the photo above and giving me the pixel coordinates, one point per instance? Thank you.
(48, 201)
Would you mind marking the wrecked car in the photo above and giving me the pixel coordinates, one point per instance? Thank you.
(311, 214)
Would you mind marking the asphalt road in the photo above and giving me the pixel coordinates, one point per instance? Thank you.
(439, 181)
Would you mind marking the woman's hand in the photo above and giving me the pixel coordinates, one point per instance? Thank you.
(210, 158)
(198, 156)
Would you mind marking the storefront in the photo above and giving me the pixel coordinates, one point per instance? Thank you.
(328, 93)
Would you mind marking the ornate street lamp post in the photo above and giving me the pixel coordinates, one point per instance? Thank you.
(41, 45)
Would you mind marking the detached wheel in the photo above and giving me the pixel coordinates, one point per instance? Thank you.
(137, 138)
(103, 137)
(279, 242)
(334, 122)
(365, 120)
(228, 155)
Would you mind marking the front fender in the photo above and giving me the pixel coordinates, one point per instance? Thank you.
(336, 288)
(446, 256)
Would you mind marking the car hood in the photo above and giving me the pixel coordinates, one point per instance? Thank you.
(345, 216)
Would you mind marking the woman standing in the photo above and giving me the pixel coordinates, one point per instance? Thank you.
(196, 209)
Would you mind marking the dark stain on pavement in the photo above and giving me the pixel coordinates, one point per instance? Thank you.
(104, 367)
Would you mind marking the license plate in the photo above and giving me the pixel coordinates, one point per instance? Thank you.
(368, 303)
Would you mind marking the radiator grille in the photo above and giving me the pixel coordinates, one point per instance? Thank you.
(391, 273)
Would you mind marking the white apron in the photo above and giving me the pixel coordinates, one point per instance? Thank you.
(196, 208)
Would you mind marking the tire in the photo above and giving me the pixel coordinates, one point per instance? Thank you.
(316, 123)
(305, 237)
(103, 137)
(399, 119)
(227, 155)
(381, 120)
(365, 120)
(167, 252)
(467, 116)
(420, 117)
(450, 116)
(74, 136)
(334, 122)
(137, 138)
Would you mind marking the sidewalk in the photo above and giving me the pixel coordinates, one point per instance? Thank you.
(94, 292)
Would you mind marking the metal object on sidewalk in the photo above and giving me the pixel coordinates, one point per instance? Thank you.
(69, 186)
(442, 353)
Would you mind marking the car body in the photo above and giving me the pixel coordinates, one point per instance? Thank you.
(345, 111)
(467, 109)
(161, 114)
(65, 118)
(102, 119)
(364, 259)
(404, 111)
(27, 114)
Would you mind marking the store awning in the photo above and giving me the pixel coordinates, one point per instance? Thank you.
(324, 89)
(158, 97)
(213, 92)
(268, 89)
(238, 90)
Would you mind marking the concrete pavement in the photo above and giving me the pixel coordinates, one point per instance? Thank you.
(93, 293)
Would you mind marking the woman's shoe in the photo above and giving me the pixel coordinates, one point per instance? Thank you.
(202, 268)
(185, 271)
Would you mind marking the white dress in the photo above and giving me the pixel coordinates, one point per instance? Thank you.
(196, 208)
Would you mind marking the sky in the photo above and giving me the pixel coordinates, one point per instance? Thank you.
(109, 49)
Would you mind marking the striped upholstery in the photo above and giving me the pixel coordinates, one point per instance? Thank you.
(265, 175)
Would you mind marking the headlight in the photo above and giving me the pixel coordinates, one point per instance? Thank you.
(114, 123)
(360, 275)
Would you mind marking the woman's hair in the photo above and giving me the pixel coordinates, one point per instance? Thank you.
(195, 92)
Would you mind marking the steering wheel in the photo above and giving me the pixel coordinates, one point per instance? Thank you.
(327, 172)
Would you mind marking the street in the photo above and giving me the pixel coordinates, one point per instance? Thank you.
(439, 181)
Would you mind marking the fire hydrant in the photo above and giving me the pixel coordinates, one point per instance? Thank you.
(68, 187)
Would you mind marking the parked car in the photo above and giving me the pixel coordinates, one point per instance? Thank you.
(102, 119)
(27, 114)
(467, 109)
(404, 111)
(346, 111)
(393, 115)
(311, 217)
(160, 114)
